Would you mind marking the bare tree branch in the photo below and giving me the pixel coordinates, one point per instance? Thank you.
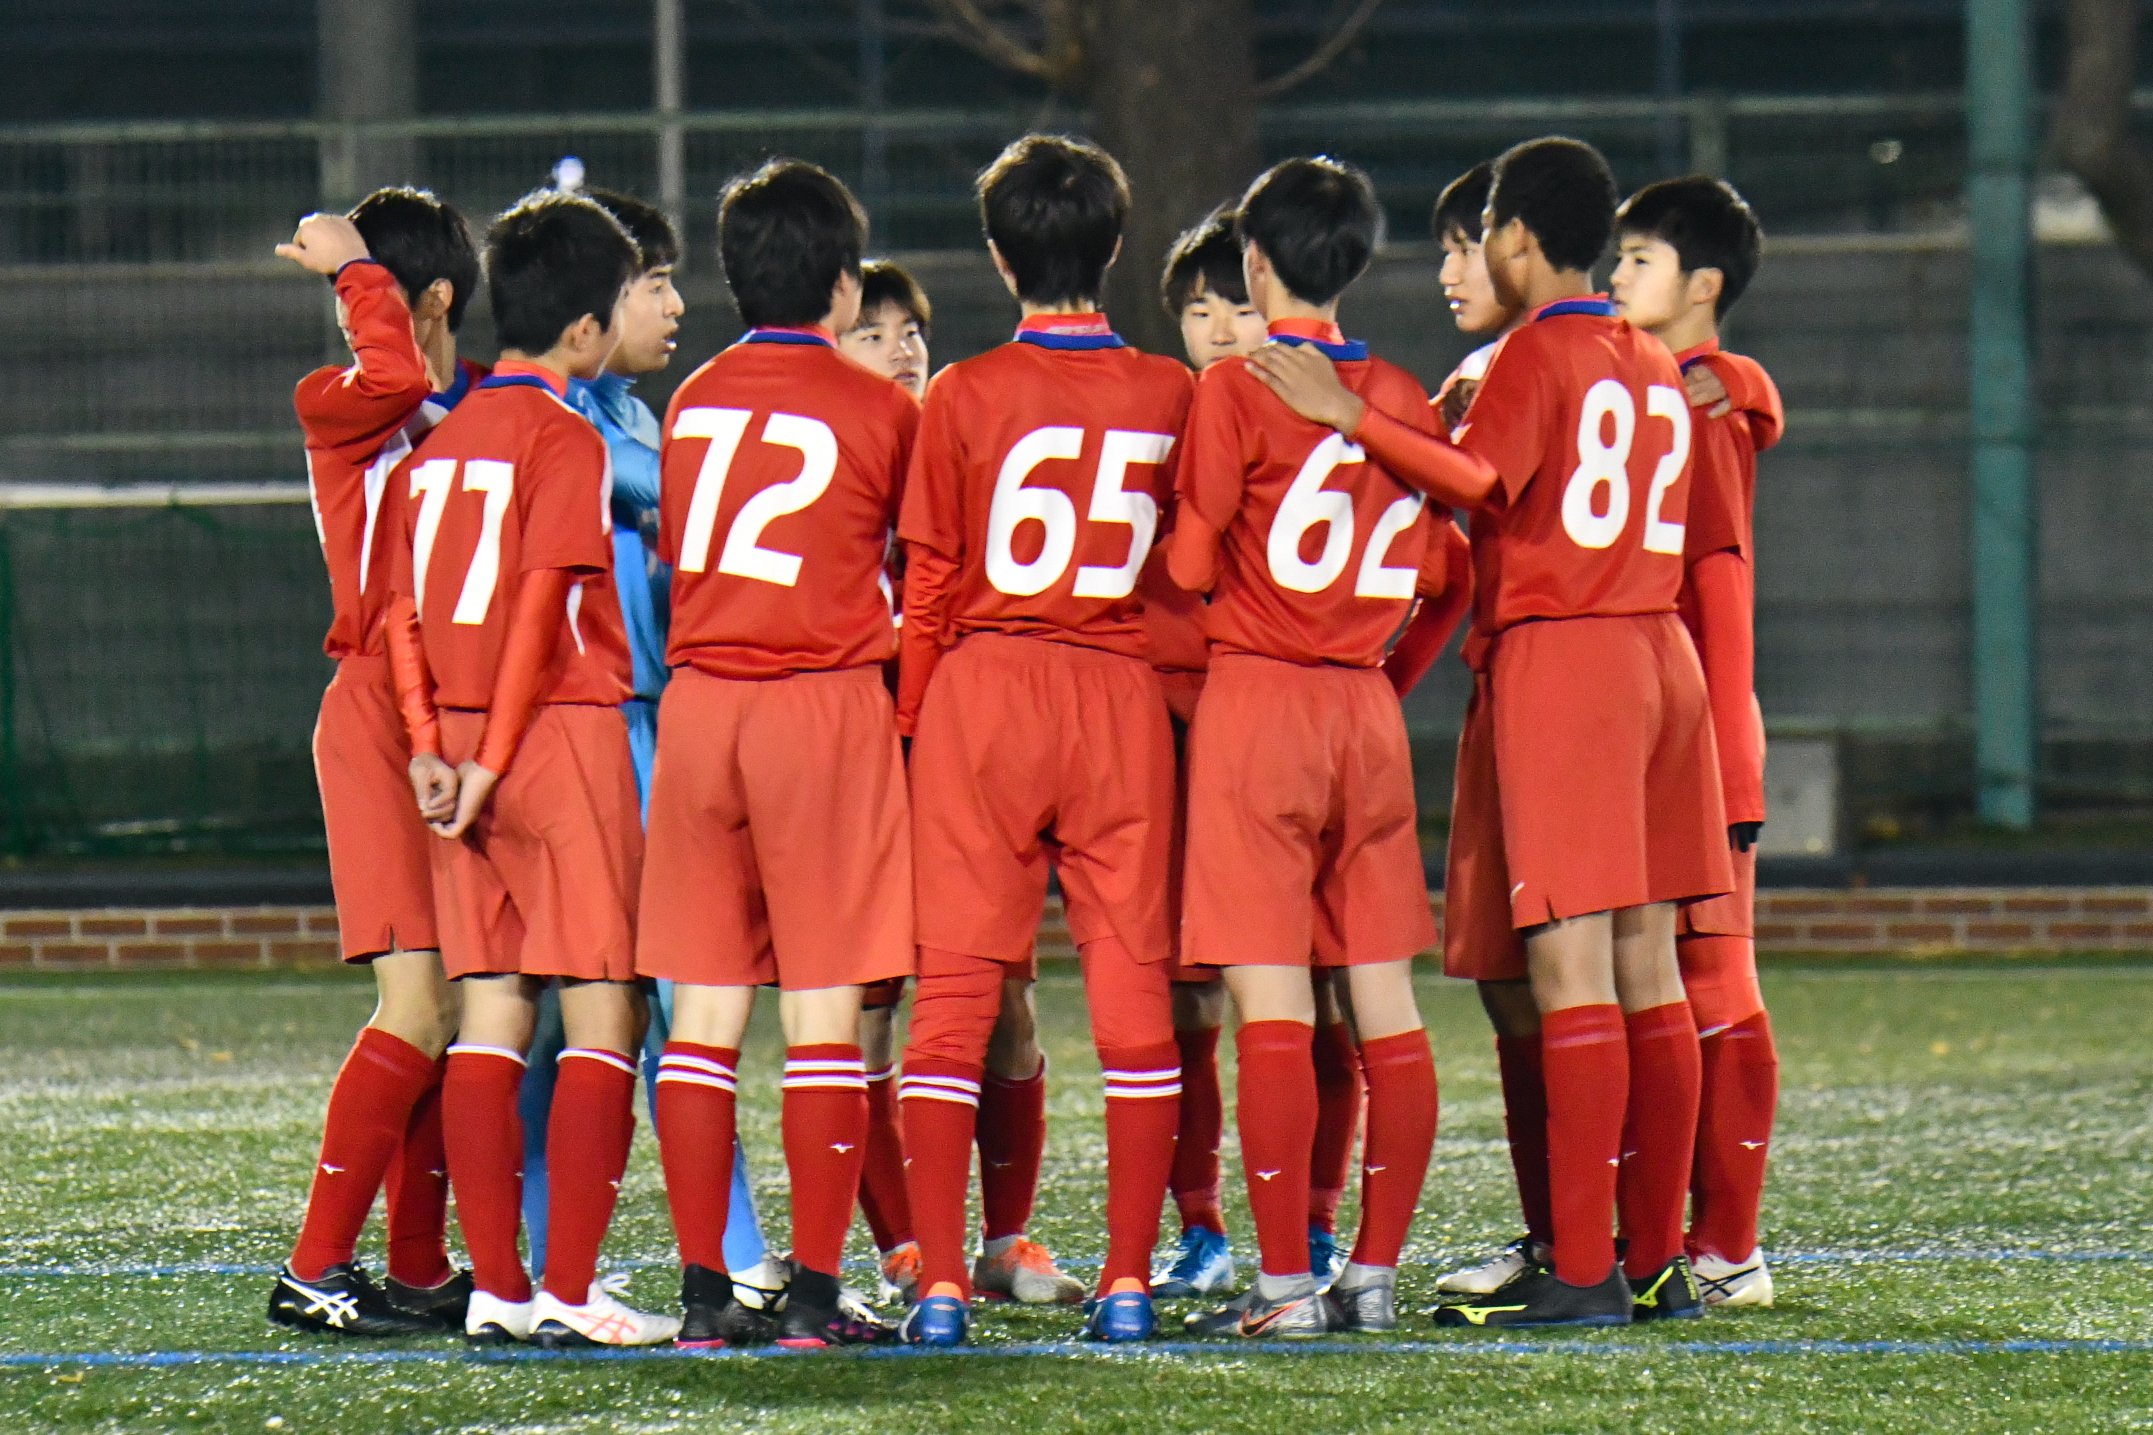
(977, 32)
(2091, 134)
(1320, 58)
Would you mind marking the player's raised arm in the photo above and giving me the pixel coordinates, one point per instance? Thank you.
(387, 378)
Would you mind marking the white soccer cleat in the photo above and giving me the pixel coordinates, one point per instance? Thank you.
(1492, 1274)
(601, 1320)
(496, 1321)
(1734, 1283)
(1024, 1271)
(761, 1287)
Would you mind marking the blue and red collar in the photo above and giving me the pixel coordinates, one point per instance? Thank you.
(789, 334)
(1069, 331)
(521, 373)
(1593, 304)
(1696, 354)
(1326, 339)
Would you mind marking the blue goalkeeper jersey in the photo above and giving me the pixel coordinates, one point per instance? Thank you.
(631, 435)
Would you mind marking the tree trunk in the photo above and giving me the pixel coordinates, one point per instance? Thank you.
(1173, 86)
(2092, 133)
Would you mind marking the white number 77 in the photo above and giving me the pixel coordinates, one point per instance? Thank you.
(430, 485)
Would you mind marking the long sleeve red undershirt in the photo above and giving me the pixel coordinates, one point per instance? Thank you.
(1425, 461)
(414, 684)
(534, 631)
(1724, 627)
(929, 585)
(1437, 618)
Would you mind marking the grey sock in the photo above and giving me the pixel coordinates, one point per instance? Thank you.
(1278, 1288)
(1356, 1276)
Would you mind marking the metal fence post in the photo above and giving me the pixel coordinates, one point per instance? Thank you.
(1999, 182)
(14, 822)
(668, 58)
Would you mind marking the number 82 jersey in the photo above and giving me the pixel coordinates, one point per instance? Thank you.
(1321, 549)
(1585, 420)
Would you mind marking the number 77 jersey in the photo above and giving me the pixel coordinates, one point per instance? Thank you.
(781, 470)
(1584, 419)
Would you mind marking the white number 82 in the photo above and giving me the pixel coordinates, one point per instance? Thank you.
(1605, 465)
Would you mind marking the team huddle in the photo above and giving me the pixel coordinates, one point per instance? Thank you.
(817, 681)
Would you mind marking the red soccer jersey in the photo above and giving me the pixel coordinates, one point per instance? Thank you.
(360, 421)
(1585, 421)
(513, 482)
(783, 464)
(1321, 551)
(1040, 474)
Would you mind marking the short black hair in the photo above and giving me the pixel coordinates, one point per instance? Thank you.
(1708, 225)
(655, 238)
(1463, 204)
(1054, 209)
(884, 281)
(1564, 192)
(787, 233)
(551, 259)
(419, 239)
(1208, 254)
(1317, 221)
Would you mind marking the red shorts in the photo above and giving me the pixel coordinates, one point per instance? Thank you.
(1182, 688)
(779, 834)
(888, 995)
(379, 849)
(1026, 744)
(1595, 742)
(1714, 942)
(1302, 841)
(544, 883)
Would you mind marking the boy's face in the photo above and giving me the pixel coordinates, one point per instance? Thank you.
(1214, 327)
(648, 319)
(1467, 288)
(889, 342)
(1649, 286)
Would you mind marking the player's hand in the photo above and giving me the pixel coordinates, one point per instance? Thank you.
(1743, 835)
(433, 782)
(1456, 400)
(324, 243)
(1306, 381)
(1707, 392)
(474, 785)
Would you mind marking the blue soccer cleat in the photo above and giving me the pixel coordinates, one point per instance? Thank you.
(942, 1320)
(1203, 1267)
(1324, 1257)
(1119, 1317)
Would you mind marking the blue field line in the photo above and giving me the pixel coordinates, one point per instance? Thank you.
(1997, 1256)
(1602, 1349)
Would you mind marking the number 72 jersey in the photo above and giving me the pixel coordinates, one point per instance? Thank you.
(1585, 420)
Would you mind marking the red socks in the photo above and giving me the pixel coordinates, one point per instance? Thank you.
(882, 1178)
(484, 1134)
(1659, 1135)
(1338, 1121)
(1276, 1113)
(939, 1101)
(370, 1107)
(1401, 1134)
(1517, 1058)
(696, 1116)
(587, 1140)
(1143, 1111)
(1012, 1140)
(824, 1118)
(418, 1197)
(1734, 1134)
(1585, 1051)
(1195, 1178)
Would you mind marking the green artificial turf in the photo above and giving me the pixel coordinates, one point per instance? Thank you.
(1964, 1162)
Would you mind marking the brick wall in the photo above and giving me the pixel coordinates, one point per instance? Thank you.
(1919, 920)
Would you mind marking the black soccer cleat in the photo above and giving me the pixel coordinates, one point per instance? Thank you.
(1669, 1293)
(815, 1317)
(445, 1304)
(1538, 1298)
(344, 1301)
(714, 1318)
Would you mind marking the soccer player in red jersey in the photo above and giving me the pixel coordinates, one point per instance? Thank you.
(1302, 850)
(779, 828)
(511, 662)
(891, 338)
(404, 270)
(1205, 291)
(1588, 800)
(1688, 249)
(1032, 502)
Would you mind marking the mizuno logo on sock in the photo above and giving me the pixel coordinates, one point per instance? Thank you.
(332, 1170)
(1265, 1175)
(1751, 1145)
(1371, 1170)
(840, 1147)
